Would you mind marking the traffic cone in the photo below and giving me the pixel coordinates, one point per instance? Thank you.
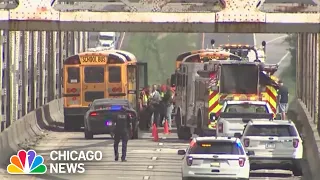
(153, 129)
(155, 133)
(166, 127)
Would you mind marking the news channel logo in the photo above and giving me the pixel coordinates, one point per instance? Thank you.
(26, 162)
(61, 162)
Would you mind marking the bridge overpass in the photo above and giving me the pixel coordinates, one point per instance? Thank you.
(36, 37)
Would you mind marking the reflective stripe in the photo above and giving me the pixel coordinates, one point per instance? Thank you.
(272, 94)
(145, 99)
(162, 94)
(212, 125)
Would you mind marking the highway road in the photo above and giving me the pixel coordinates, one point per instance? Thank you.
(146, 159)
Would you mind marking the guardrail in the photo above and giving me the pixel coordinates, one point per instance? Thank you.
(310, 137)
(27, 130)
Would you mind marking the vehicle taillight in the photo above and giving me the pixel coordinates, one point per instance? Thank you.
(189, 160)
(71, 90)
(295, 143)
(242, 161)
(93, 114)
(220, 128)
(246, 142)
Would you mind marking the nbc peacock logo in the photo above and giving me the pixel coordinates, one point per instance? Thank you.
(26, 162)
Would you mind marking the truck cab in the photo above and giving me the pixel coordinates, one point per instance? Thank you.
(107, 39)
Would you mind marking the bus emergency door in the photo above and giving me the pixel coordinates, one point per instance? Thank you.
(94, 83)
(137, 80)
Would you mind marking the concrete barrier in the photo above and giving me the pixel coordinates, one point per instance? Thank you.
(25, 131)
(310, 137)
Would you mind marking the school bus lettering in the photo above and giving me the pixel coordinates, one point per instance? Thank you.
(93, 59)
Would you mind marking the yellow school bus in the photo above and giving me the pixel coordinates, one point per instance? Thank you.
(94, 75)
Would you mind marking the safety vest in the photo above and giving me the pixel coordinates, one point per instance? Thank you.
(145, 99)
(162, 94)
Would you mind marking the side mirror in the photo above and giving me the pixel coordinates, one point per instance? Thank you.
(181, 152)
(237, 135)
(263, 43)
(250, 153)
(212, 42)
(89, 105)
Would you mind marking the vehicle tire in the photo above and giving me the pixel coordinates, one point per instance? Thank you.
(88, 134)
(199, 129)
(297, 172)
(184, 133)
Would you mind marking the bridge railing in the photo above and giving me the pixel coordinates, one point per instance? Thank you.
(31, 64)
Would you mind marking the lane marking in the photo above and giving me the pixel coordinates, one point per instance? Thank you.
(150, 167)
(277, 38)
(154, 158)
(158, 150)
(146, 177)
(121, 41)
(160, 144)
(164, 138)
(283, 58)
(203, 37)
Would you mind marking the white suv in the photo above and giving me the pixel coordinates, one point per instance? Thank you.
(215, 158)
(273, 145)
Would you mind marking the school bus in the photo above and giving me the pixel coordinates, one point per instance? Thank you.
(93, 75)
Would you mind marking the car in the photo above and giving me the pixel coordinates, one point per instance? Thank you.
(274, 145)
(236, 114)
(103, 112)
(215, 158)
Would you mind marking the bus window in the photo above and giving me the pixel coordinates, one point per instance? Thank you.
(114, 74)
(93, 74)
(73, 75)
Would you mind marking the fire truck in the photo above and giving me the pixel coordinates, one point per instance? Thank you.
(246, 52)
(204, 87)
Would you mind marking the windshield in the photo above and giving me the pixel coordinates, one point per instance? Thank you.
(271, 130)
(239, 79)
(106, 38)
(217, 147)
(246, 108)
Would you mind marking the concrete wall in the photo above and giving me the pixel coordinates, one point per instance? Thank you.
(306, 104)
(25, 132)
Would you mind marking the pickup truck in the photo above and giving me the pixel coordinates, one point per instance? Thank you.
(235, 115)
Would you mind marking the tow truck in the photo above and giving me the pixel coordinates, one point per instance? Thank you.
(201, 93)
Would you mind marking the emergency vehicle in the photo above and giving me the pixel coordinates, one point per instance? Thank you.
(246, 52)
(201, 93)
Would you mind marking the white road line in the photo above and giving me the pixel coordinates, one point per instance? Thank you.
(160, 144)
(146, 177)
(150, 167)
(283, 58)
(203, 36)
(277, 38)
(154, 158)
(121, 41)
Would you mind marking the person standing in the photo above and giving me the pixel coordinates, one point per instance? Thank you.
(154, 103)
(121, 129)
(283, 99)
(168, 101)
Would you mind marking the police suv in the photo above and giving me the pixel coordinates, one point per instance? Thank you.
(273, 145)
(215, 158)
(236, 114)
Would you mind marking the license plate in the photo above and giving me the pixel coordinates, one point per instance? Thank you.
(121, 116)
(215, 164)
(270, 146)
